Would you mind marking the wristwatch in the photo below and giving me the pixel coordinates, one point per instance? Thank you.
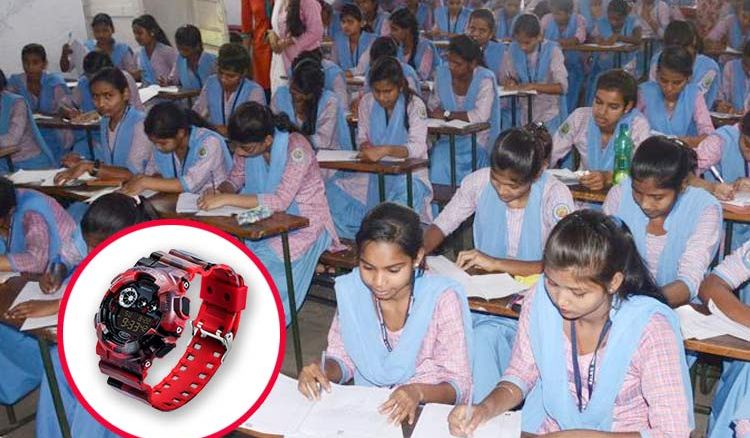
(446, 114)
(145, 311)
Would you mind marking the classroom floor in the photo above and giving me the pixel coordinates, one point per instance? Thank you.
(315, 319)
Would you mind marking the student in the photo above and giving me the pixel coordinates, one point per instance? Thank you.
(123, 149)
(592, 10)
(375, 21)
(157, 57)
(275, 167)
(676, 227)
(506, 19)
(734, 84)
(187, 156)
(451, 19)
(706, 73)
(228, 88)
(352, 43)
(568, 29)
(464, 90)
(316, 111)
(392, 123)
(414, 50)
(396, 327)
(534, 63)
(44, 93)
(593, 130)
(618, 26)
(335, 79)
(515, 205)
(595, 310)
(423, 13)
(384, 47)
(732, 30)
(194, 65)
(23, 369)
(481, 29)
(672, 105)
(18, 129)
(654, 18)
(102, 28)
(39, 231)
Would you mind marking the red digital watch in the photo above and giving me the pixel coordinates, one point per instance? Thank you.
(144, 312)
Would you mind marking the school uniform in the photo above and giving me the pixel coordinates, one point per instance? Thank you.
(445, 23)
(504, 24)
(335, 81)
(352, 194)
(53, 93)
(581, 131)
(433, 347)
(576, 28)
(217, 107)
(127, 145)
(309, 11)
(641, 378)
(426, 58)
(546, 65)
(502, 232)
(735, 85)
(381, 25)
(482, 105)
(344, 56)
(189, 79)
(158, 65)
(728, 28)
(494, 53)
(412, 78)
(583, 7)
(601, 62)
(18, 129)
(732, 390)
(659, 12)
(693, 232)
(290, 182)
(121, 55)
(206, 165)
(331, 128)
(424, 17)
(690, 116)
(706, 76)
(81, 98)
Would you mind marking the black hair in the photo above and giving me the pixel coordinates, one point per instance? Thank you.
(665, 160)
(542, 135)
(114, 212)
(34, 49)
(393, 223)
(383, 46)
(314, 54)
(3, 81)
(746, 49)
(149, 23)
(7, 196)
(234, 57)
(679, 33)
(485, 15)
(404, 19)
(166, 118)
(619, 7)
(599, 246)
(308, 78)
(520, 152)
(542, 8)
(698, 39)
(676, 59)
(188, 36)
(294, 23)
(96, 60)
(350, 10)
(252, 122)
(113, 76)
(621, 81)
(389, 69)
(744, 123)
(467, 49)
(527, 24)
(102, 19)
(562, 5)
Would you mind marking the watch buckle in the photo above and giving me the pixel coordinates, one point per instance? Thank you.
(225, 340)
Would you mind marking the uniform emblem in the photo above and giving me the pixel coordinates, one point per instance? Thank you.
(422, 112)
(560, 211)
(298, 155)
(202, 152)
(565, 128)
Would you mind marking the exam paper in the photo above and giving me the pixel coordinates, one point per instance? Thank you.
(487, 286)
(32, 292)
(433, 423)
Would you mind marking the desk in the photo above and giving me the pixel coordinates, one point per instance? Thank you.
(722, 119)
(6, 153)
(179, 95)
(618, 50)
(382, 168)
(8, 293)
(60, 123)
(514, 96)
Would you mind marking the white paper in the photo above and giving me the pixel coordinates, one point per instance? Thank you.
(226, 211)
(695, 325)
(31, 292)
(567, 176)
(506, 93)
(358, 79)
(283, 410)
(188, 203)
(732, 51)
(433, 423)
(336, 155)
(429, 84)
(5, 276)
(741, 199)
(608, 46)
(93, 196)
(488, 286)
(148, 93)
(437, 123)
(44, 178)
(727, 325)
(149, 193)
(724, 116)
(38, 116)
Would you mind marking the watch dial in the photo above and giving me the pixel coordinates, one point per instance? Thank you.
(128, 296)
(130, 313)
(133, 322)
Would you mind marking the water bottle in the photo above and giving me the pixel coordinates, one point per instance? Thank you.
(623, 154)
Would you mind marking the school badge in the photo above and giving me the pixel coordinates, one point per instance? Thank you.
(298, 155)
(202, 152)
(560, 211)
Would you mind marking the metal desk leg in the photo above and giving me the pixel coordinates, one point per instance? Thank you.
(381, 187)
(452, 143)
(473, 151)
(53, 388)
(513, 116)
(618, 60)
(292, 301)
(409, 190)
(729, 229)
(190, 102)
(90, 142)
(11, 167)
(530, 108)
(353, 137)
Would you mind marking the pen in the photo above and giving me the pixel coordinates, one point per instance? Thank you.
(322, 367)
(716, 174)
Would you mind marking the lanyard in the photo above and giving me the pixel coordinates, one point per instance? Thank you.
(383, 330)
(234, 104)
(532, 74)
(592, 365)
(111, 150)
(354, 56)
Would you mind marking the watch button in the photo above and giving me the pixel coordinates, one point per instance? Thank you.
(182, 307)
(164, 350)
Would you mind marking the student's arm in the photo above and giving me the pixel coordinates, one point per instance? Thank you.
(325, 130)
(339, 368)
(703, 122)
(416, 144)
(136, 185)
(105, 172)
(433, 238)
(559, 82)
(65, 58)
(723, 192)
(634, 38)
(34, 309)
(33, 259)
(475, 259)
(482, 110)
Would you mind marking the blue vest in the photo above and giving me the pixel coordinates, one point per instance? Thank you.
(216, 102)
(527, 75)
(573, 61)
(443, 22)
(285, 104)
(494, 53)
(189, 80)
(504, 29)
(702, 66)
(167, 162)
(347, 59)
(681, 123)
(736, 39)
(46, 102)
(264, 177)
(148, 76)
(119, 153)
(84, 88)
(423, 47)
(732, 165)
(119, 51)
(7, 102)
(739, 86)
(604, 159)
(584, 8)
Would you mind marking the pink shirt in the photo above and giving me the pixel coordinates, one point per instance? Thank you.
(339, 86)
(60, 95)
(201, 104)
(207, 171)
(701, 115)
(312, 36)
(361, 66)
(482, 110)
(356, 183)
(742, 429)
(699, 250)
(735, 268)
(162, 59)
(658, 12)
(300, 183)
(574, 132)
(325, 133)
(34, 258)
(556, 201)
(651, 398)
(75, 98)
(443, 356)
(727, 82)
(580, 35)
(546, 106)
(722, 28)
(20, 133)
(174, 75)
(141, 148)
(709, 151)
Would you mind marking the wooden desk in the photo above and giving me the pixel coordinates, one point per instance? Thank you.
(582, 194)
(6, 153)
(60, 123)
(179, 95)
(8, 293)
(723, 119)
(600, 48)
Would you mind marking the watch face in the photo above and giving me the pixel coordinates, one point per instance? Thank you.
(129, 313)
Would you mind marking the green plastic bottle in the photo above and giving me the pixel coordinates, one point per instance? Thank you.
(623, 154)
